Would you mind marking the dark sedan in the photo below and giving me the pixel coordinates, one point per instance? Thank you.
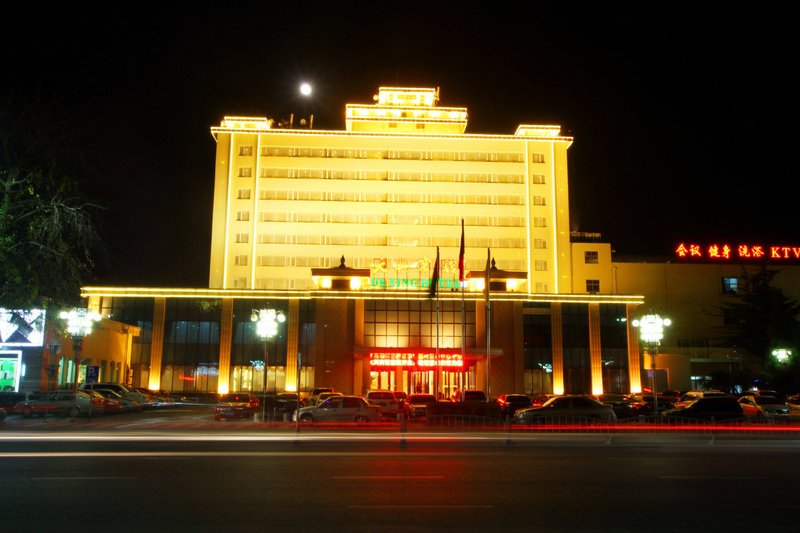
(707, 409)
(510, 403)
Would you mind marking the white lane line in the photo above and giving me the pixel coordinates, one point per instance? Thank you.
(723, 478)
(23, 455)
(388, 477)
(78, 478)
(420, 506)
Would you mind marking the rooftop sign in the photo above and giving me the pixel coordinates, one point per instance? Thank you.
(725, 252)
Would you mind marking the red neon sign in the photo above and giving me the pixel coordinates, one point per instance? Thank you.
(728, 252)
(416, 359)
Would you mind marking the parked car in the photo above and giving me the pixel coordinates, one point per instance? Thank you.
(236, 405)
(510, 403)
(692, 395)
(751, 409)
(537, 400)
(8, 400)
(286, 403)
(711, 408)
(470, 395)
(125, 404)
(339, 409)
(419, 404)
(390, 403)
(59, 403)
(647, 405)
(567, 408)
(775, 408)
(623, 405)
(147, 401)
(109, 405)
(316, 393)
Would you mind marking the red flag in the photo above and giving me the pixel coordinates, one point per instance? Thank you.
(461, 265)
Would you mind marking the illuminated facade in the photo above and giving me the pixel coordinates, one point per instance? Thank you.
(339, 230)
(384, 194)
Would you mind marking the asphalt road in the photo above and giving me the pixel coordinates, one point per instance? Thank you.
(84, 476)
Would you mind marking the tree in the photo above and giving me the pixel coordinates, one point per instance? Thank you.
(763, 319)
(47, 236)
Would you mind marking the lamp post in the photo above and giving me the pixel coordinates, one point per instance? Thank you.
(79, 325)
(651, 331)
(52, 366)
(266, 327)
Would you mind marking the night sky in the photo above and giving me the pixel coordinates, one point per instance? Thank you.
(683, 121)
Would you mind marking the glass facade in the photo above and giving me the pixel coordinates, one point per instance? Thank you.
(614, 337)
(190, 357)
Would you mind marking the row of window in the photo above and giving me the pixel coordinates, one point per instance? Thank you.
(383, 175)
(423, 155)
(353, 262)
(390, 197)
(377, 240)
(367, 218)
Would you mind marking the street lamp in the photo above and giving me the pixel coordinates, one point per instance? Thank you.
(79, 325)
(266, 327)
(781, 355)
(651, 331)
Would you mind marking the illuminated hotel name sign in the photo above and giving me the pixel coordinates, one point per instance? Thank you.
(728, 252)
(415, 359)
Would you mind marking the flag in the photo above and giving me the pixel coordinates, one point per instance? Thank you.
(434, 288)
(486, 288)
(461, 268)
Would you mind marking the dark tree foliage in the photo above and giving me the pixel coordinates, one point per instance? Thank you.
(47, 236)
(764, 317)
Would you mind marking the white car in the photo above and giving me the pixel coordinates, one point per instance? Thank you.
(339, 409)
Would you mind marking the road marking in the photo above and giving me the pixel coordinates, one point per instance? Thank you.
(388, 477)
(420, 506)
(229, 454)
(78, 478)
(724, 478)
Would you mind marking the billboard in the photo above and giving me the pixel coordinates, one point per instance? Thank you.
(22, 327)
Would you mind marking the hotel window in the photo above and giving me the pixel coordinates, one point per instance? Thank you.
(537, 158)
(539, 244)
(730, 285)
(245, 172)
(240, 260)
(539, 222)
(242, 237)
(540, 265)
(243, 194)
(593, 286)
(537, 179)
(591, 258)
(239, 283)
(243, 216)
(245, 150)
(538, 200)
(541, 287)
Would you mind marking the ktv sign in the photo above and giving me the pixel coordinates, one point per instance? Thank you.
(739, 252)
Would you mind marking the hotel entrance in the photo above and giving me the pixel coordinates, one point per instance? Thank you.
(419, 371)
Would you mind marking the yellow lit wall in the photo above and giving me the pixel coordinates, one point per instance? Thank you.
(287, 201)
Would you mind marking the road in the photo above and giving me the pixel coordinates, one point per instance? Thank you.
(194, 475)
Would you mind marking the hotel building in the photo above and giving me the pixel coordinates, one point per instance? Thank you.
(339, 231)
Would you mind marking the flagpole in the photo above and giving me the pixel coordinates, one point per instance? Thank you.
(488, 323)
(461, 279)
(434, 292)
